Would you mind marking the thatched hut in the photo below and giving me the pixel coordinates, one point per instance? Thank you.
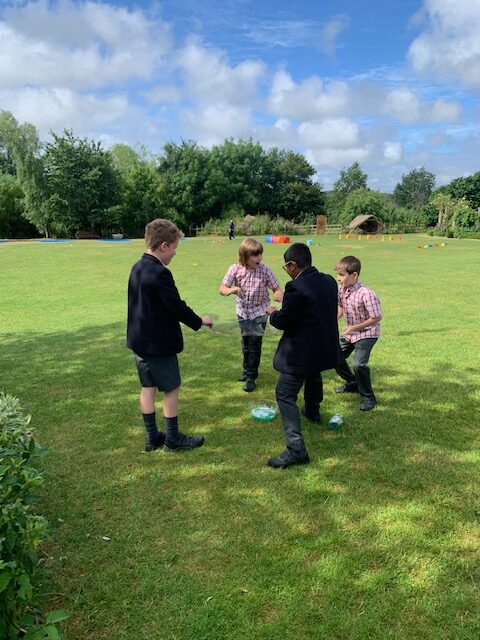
(365, 224)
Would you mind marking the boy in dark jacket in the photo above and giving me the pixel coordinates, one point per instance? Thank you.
(155, 311)
(309, 345)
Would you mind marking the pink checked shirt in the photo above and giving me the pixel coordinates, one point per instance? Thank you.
(254, 285)
(359, 303)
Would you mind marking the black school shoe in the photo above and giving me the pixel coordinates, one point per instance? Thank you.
(316, 419)
(249, 385)
(183, 442)
(159, 442)
(242, 378)
(287, 459)
(368, 403)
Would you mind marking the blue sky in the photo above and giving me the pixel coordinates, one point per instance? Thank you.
(393, 85)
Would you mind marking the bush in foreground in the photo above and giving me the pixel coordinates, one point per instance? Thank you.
(21, 530)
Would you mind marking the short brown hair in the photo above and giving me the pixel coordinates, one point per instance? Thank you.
(160, 230)
(350, 264)
(248, 247)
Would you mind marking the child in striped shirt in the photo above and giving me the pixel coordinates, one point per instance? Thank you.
(250, 281)
(361, 309)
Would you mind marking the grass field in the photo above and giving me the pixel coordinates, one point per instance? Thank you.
(377, 538)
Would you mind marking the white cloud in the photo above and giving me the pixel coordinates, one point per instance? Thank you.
(287, 34)
(308, 100)
(339, 134)
(59, 109)
(392, 152)
(334, 157)
(77, 45)
(163, 94)
(284, 124)
(449, 47)
(212, 124)
(210, 78)
(443, 111)
(330, 33)
(403, 104)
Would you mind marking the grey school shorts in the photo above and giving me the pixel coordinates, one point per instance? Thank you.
(162, 372)
(254, 327)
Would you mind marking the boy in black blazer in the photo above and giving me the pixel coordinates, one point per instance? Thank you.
(155, 311)
(308, 346)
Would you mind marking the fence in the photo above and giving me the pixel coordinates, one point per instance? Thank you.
(311, 229)
(301, 230)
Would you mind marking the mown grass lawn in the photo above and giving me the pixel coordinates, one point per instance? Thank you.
(377, 538)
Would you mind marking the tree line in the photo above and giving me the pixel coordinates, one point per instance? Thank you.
(73, 185)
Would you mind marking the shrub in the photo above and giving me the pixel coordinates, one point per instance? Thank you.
(467, 233)
(21, 530)
(251, 226)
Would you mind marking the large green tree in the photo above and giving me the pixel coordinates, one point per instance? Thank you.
(78, 188)
(12, 222)
(348, 181)
(290, 191)
(19, 146)
(140, 188)
(414, 189)
(236, 177)
(467, 188)
(183, 171)
(362, 202)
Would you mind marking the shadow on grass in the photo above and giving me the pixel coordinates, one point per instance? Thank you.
(376, 538)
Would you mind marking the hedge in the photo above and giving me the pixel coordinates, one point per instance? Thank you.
(21, 529)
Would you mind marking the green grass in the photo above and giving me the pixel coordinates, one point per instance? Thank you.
(377, 538)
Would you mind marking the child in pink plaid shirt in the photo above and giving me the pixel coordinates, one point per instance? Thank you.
(251, 280)
(361, 309)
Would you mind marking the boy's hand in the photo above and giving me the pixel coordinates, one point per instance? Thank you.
(270, 310)
(235, 290)
(278, 295)
(349, 329)
(207, 321)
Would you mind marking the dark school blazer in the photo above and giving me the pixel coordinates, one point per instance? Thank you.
(308, 318)
(155, 310)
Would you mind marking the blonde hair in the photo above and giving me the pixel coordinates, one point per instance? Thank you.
(160, 230)
(248, 247)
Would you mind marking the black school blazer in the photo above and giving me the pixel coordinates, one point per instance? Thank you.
(155, 310)
(308, 318)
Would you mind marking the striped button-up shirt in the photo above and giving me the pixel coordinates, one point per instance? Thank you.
(359, 303)
(254, 284)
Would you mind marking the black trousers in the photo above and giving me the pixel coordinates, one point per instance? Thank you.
(286, 391)
(252, 354)
(361, 373)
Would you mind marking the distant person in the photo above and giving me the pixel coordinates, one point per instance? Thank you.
(231, 230)
(250, 281)
(361, 309)
(309, 345)
(155, 311)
